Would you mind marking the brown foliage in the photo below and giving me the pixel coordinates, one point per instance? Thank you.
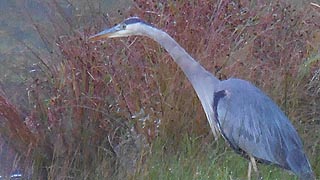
(13, 128)
(265, 43)
(93, 95)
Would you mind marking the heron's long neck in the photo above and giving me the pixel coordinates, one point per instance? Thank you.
(204, 83)
(190, 67)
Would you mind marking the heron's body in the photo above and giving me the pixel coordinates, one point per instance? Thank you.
(252, 124)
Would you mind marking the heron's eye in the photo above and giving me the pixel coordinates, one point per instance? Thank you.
(123, 26)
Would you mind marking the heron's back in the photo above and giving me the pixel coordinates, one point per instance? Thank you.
(253, 124)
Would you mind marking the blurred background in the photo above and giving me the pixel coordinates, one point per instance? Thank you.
(121, 109)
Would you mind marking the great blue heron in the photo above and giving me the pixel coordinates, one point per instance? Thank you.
(252, 124)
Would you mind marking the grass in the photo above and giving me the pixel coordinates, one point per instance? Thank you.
(122, 109)
(197, 160)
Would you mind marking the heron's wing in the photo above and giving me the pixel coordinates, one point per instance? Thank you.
(252, 123)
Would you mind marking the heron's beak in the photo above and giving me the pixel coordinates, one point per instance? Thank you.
(108, 33)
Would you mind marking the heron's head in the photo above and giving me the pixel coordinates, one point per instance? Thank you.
(129, 27)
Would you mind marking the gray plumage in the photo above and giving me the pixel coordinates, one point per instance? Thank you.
(252, 123)
(248, 120)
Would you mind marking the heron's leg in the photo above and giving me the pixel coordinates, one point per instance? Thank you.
(249, 170)
(255, 168)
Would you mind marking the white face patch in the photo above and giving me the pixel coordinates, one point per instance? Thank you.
(123, 30)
